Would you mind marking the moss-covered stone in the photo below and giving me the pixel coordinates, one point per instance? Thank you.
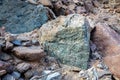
(67, 38)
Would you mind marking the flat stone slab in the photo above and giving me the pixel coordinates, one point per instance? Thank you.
(29, 53)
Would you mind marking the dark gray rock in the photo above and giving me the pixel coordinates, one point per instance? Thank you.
(2, 43)
(0, 2)
(5, 57)
(19, 16)
(67, 38)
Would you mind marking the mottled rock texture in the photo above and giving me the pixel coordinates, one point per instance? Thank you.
(19, 16)
(67, 38)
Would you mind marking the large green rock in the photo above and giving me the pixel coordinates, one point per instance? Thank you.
(67, 38)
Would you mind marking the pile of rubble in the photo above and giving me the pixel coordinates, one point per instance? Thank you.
(83, 44)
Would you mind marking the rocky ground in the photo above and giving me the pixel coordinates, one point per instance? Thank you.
(60, 40)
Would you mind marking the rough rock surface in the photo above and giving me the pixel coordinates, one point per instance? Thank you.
(106, 39)
(108, 42)
(67, 38)
(19, 16)
(8, 77)
(22, 67)
(2, 72)
(29, 53)
(4, 65)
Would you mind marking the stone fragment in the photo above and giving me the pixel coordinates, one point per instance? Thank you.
(89, 5)
(16, 75)
(96, 3)
(2, 72)
(5, 57)
(51, 76)
(29, 53)
(43, 2)
(8, 45)
(10, 37)
(22, 67)
(108, 43)
(23, 18)
(17, 42)
(27, 43)
(4, 65)
(69, 71)
(29, 74)
(80, 10)
(54, 76)
(46, 72)
(35, 42)
(8, 77)
(2, 42)
(103, 73)
(67, 38)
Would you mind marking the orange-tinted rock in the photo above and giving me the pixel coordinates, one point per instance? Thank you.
(108, 42)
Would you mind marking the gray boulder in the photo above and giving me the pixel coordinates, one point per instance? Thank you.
(19, 16)
(67, 38)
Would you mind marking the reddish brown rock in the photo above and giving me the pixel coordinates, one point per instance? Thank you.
(106, 39)
(108, 42)
(29, 53)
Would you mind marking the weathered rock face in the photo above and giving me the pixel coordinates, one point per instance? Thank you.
(19, 16)
(67, 38)
(108, 42)
(106, 39)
